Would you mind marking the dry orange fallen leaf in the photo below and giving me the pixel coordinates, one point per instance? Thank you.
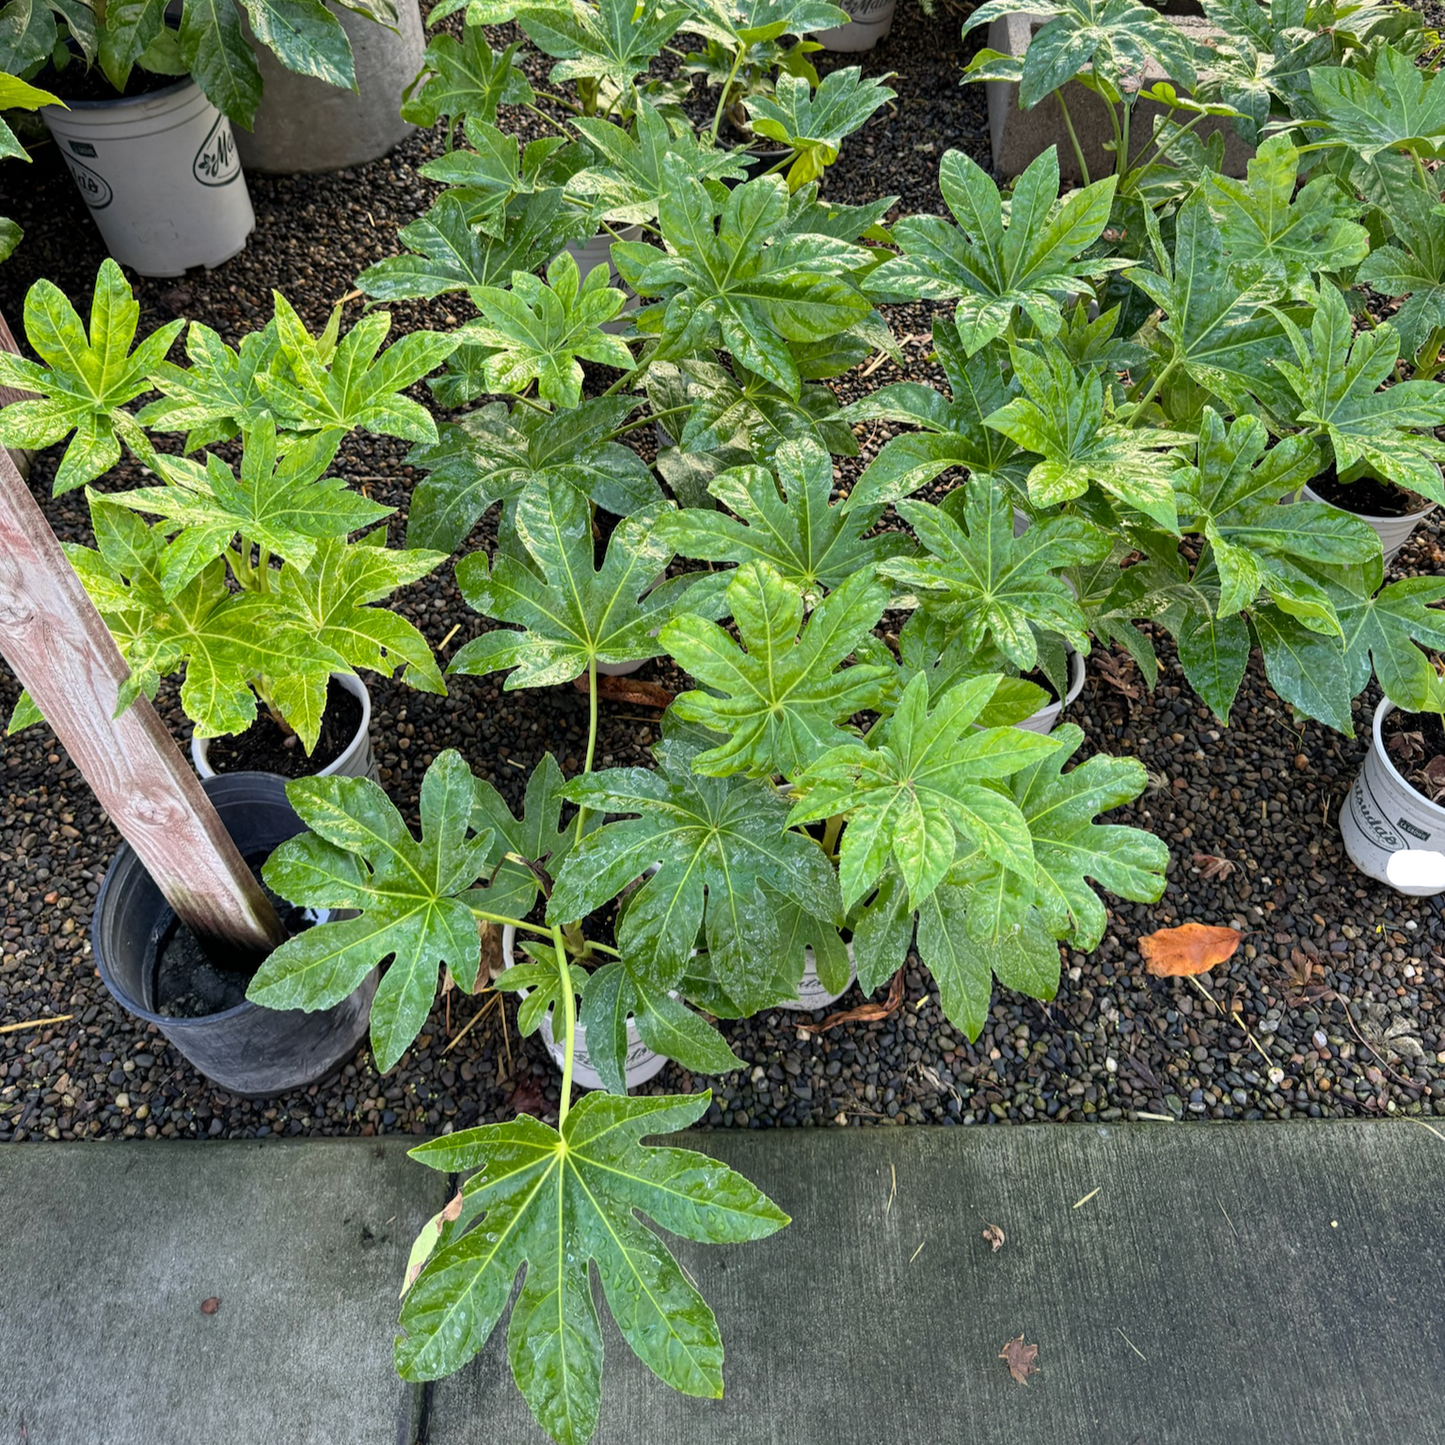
(1189, 949)
(1022, 1359)
(865, 1013)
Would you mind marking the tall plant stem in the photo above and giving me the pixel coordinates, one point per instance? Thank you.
(569, 1010)
(722, 99)
(1073, 135)
(591, 737)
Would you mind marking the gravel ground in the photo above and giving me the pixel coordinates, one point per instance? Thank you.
(1337, 988)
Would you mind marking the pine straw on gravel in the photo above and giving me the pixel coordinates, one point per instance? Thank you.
(1339, 980)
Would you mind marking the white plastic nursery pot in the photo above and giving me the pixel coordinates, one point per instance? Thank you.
(161, 176)
(1046, 719)
(871, 21)
(304, 124)
(811, 992)
(597, 251)
(1382, 815)
(641, 1064)
(357, 761)
(1393, 532)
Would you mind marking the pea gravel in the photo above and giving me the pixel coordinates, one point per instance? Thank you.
(1332, 1007)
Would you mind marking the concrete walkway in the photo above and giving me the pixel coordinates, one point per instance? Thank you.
(1248, 1284)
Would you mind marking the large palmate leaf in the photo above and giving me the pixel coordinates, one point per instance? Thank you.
(16, 94)
(86, 380)
(1305, 666)
(738, 278)
(499, 172)
(332, 595)
(445, 252)
(305, 37)
(993, 269)
(1214, 326)
(724, 857)
(281, 501)
(781, 700)
(738, 24)
(631, 173)
(1381, 630)
(1114, 40)
(217, 395)
(214, 49)
(1071, 850)
(542, 332)
(613, 40)
(491, 455)
(1342, 397)
(952, 433)
(1061, 418)
(815, 123)
(1415, 269)
(341, 387)
(1401, 108)
(464, 78)
(989, 588)
(224, 642)
(1233, 497)
(785, 521)
(1270, 231)
(571, 615)
(554, 1203)
(920, 788)
(413, 900)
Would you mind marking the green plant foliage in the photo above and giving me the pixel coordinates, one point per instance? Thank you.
(1400, 108)
(736, 276)
(464, 77)
(988, 588)
(1062, 419)
(1415, 269)
(498, 173)
(557, 1201)
(86, 379)
(993, 268)
(1340, 384)
(919, 789)
(952, 432)
(494, 454)
(1270, 231)
(542, 332)
(785, 521)
(738, 24)
(1113, 40)
(725, 861)
(413, 900)
(781, 700)
(614, 40)
(571, 616)
(16, 94)
(815, 123)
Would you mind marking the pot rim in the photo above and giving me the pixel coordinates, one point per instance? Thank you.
(351, 681)
(1314, 496)
(1382, 711)
(117, 102)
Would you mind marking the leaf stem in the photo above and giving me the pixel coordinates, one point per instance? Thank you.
(1162, 148)
(632, 375)
(591, 736)
(1155, 387)
(651, 416)
(509, 922)
(1073, 135)
(1427, 368)
(569, 1009)
(551, 120)
(722, 99)
(831, 829)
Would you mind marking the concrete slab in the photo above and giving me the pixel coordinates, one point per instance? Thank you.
(108, 1250)
(1018, 136)
(1211, 1285)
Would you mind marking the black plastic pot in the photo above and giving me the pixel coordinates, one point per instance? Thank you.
(248, 1050)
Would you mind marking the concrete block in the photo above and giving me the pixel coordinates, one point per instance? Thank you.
(107, 1252)
(1187, 1284)
(303, 124)
(1021, 135)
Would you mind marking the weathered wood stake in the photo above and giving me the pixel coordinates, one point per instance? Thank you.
(61, 650)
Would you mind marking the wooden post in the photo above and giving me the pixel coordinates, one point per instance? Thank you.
(60, 648)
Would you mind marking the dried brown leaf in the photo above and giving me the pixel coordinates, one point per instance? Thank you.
(1113, 672)
(1210, 865)
(864, 1013)
(994, 1235)
(631, 690)
(1022, 1359)
(1188, 949)
(492, 965)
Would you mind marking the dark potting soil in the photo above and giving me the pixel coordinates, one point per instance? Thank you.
(1415, 742)
(187, 984)
(265, 747)
(1368, 497)
(80, 82)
